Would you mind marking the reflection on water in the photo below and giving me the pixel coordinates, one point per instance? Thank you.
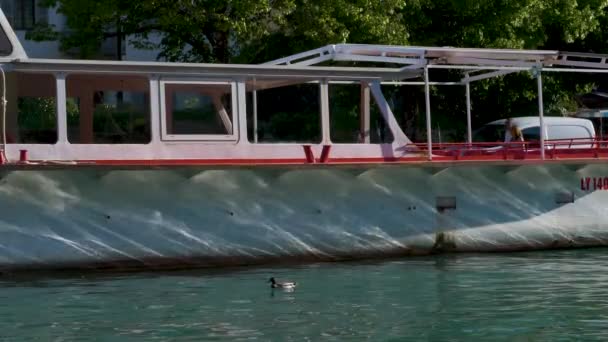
(527, 296)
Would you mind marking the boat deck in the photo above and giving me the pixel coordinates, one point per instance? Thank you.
(443, 154)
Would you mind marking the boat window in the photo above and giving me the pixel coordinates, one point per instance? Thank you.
(347, 125)
(108, 109)
(31, 108)
(490, 133)
(557, 132)
(531, 133)
(287, 113)
(6, 48)
(198, 111)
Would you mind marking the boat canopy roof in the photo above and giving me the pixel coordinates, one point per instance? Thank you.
(592, 113)
(390, 63)
(211, 70)
(418, 57)
(414, 56)
(328, 63)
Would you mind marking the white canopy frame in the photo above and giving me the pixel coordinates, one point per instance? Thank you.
(488, 63)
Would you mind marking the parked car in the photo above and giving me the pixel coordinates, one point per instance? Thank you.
(599, 118)
(571, 132)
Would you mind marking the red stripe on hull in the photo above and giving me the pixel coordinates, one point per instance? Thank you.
(481, 159)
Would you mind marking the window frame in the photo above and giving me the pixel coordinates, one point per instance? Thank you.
(198, 137)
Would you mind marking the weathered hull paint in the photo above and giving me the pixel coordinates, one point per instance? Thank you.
(200, 217)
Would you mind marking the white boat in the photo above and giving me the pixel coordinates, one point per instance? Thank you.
(153, 164)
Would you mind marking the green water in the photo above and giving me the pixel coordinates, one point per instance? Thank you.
(546, 296)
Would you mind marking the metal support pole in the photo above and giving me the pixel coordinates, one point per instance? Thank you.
(364, 115)
(62, 121)
(427, 98)
(325, 121)
(541, 114)
(157, 128)
(255, 113)
(468, 93)
(3, 103)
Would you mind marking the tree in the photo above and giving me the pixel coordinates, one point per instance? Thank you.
(520, 24)
(184, 30)
(225, 31)
(315, 23)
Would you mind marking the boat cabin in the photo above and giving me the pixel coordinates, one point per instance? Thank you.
(117, 113)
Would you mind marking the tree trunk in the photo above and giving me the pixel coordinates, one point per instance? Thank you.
(220, 47)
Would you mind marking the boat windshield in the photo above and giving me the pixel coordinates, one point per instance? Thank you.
(490, 133)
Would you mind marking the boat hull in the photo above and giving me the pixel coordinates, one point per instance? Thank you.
(210, 217)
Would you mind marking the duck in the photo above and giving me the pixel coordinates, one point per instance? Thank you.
(287, 285)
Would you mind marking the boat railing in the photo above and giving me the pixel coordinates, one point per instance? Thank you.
(554, 149)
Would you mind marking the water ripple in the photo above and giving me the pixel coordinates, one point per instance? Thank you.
(528, 296)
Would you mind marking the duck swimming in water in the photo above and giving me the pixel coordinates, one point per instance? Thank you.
(282, 285)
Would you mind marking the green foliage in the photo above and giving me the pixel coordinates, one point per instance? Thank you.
(37, 119)
(37, 112)
(344, 113)
(203, 30)
(314, 23)
(225, 31)
(73, 111)
(124, 123)
(295, 127)
(197, 120)
(90, 23)
(120, 125)
(502, 23)
(289, 113)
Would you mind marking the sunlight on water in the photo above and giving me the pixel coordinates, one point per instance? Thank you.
(542, 296)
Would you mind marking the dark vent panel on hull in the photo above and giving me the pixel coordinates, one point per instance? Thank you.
(564, 197)
(445, 203)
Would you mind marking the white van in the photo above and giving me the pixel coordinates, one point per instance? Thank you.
(556, 128)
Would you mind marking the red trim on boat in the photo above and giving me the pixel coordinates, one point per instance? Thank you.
(582, 157)
(325, 153)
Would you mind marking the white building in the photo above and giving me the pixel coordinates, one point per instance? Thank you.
(24, 14)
